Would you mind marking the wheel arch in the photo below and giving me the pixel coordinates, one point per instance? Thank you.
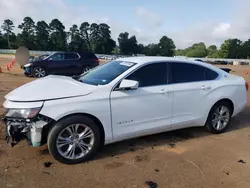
(208, 124)
(92, 117)
(42, 66)
(47, 128)
(229, 101)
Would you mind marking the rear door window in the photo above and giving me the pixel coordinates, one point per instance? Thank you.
(70, 56)
(186, 72)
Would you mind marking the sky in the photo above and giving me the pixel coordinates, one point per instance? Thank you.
(185, 21)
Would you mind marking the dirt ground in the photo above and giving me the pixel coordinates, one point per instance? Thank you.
(185, 158)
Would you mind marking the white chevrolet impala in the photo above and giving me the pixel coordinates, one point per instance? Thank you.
(125, 98)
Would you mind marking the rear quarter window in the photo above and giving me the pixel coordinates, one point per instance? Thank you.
(211, 75)
(88, 55)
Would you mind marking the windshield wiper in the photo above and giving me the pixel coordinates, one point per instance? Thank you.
(76, 77)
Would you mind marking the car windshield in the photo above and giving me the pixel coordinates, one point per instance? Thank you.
(48, 56)
(41, 57)
(104, 74)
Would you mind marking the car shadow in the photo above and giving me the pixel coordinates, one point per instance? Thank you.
(171, 138)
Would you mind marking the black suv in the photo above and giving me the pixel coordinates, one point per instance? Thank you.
(61, 63)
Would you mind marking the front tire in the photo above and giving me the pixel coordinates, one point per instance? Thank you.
(219, 117)
(74, 140)
(39, 72)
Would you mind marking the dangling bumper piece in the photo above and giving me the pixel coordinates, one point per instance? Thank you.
(31, 130)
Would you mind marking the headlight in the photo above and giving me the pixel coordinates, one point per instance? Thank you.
(23, 113)
(27, 65)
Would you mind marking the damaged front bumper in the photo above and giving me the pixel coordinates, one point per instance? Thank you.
(31, 130)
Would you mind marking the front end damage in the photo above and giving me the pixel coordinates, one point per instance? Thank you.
(33, 130)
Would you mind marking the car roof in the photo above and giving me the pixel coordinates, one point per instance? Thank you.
(151, 59)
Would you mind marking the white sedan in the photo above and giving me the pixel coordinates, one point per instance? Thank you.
(125, 98)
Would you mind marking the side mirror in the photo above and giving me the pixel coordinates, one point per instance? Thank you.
(129, 84)
(50, 59)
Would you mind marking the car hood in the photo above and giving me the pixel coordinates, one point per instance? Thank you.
(49, 88)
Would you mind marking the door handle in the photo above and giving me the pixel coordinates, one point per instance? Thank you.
(164, 91)
(205, 87)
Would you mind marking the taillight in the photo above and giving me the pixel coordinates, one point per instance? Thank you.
(96, 60)
(246, 84)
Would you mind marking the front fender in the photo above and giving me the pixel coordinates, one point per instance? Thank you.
(100, 108)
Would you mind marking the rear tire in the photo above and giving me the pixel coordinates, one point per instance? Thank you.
(219, 117)
(77, 149)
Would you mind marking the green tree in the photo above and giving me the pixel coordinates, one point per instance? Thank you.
(3, 41)
(108, 47)
(245, 49)
(180, 52)
(127, 45)
(27, 36)
(197, 50)
(167, 46)
(116, 50)
(212, 51)
(94, 36)
(13, 41)
(8, 27)
(97, 38)
(42, 35)
(102, 39)
(123, 43)
(152, 50)
(224, 51)
(58, 37)
(236, 50)
(141, 49)
(85, 35)
(76, 42)
(132, 42)
(231, 48)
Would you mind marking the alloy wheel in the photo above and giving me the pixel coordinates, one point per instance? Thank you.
(221, 117)
(75, 141)
(39, 72)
